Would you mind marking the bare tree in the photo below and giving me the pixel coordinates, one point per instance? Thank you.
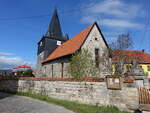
(105, 62)
(123, 42)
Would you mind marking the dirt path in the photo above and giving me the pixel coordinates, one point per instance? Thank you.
(19, 104)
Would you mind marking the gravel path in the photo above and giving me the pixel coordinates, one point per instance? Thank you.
(19, 104)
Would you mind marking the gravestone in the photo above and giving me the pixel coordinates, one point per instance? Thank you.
(137, 73)
(120, 67)
(135, 70)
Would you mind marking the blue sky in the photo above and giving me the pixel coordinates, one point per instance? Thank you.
(23, 22)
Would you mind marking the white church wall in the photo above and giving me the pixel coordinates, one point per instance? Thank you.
(95, 41)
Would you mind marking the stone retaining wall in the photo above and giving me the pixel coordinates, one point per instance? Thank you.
(94, 92)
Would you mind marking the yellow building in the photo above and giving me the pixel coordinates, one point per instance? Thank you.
(129, 55)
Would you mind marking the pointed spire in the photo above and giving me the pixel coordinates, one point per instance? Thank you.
(54, 30)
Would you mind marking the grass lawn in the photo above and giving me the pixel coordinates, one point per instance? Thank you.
(74, 106)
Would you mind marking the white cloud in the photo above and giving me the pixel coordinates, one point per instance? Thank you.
(88, 19)
(111, 22)
(112, 36)
(121, 23)
(9, 62)
(113, 13)
(113, 39)
(5, 54)
(116, 8)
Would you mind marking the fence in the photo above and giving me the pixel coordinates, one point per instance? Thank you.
(144, 95)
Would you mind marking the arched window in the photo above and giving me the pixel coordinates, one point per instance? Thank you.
(41, 43)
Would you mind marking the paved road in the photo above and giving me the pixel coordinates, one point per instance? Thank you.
(19, 104)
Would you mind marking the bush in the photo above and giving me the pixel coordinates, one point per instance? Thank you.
(81, 65)
(28, 73)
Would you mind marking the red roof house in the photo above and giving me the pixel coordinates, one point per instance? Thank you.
(130, 55)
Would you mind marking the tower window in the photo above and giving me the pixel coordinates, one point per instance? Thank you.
(97, 57)
(58, 43)
(41, 43)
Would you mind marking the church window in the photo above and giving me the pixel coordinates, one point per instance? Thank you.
(62, 70)
(148, 68)
(97, 57)
(44, 70)
(52, 71)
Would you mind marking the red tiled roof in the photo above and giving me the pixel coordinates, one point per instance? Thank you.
(70, 46)
(131, 55)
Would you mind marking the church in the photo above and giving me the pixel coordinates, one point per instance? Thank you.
(55, 50)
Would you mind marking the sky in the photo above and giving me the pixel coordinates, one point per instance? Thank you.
(24, 22)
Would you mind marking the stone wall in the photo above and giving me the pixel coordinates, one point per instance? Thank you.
(40, 59)
(80, 91)
(56, 68)
(95, 41)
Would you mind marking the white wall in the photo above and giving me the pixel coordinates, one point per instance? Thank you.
(91, 44)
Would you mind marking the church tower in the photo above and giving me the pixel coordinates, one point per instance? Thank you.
(50, 41)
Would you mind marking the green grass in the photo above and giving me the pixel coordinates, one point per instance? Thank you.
(74, 106)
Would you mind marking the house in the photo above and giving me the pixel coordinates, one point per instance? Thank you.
(55, 50)
(130, 55)
(5, 72)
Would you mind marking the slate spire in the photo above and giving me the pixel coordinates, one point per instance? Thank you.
(54, 30)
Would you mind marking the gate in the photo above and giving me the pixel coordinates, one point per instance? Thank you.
(144, 95)
(144, 99)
